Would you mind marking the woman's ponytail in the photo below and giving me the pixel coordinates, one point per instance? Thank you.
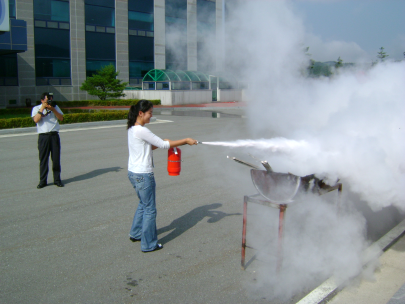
(142, 105)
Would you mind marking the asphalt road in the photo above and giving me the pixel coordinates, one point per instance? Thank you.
(71, 245)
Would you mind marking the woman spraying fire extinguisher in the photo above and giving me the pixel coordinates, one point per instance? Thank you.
(141, 142)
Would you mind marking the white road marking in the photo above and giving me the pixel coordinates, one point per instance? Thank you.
(83, 129)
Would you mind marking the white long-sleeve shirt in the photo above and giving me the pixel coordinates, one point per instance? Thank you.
(140, 141)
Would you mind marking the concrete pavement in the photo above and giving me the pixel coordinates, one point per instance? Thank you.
(70, 245)
(387, 285)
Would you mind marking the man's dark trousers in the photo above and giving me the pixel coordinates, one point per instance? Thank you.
(49, 143)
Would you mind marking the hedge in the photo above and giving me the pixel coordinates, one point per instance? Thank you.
(16, 123)
(98, 116)
(16, 111)
(25, 111)
(100, 103)
(67, 119)
(92, 115)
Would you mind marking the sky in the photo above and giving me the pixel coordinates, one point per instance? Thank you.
(353, 29)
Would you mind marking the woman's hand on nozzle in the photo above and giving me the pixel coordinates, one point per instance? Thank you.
(191, 141)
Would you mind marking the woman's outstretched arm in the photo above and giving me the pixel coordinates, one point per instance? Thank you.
(181, 142)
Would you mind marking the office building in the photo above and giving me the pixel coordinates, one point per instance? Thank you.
(53, 45)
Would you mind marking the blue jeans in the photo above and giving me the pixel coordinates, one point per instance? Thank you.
(144, 223)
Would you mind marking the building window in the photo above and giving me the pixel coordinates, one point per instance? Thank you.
(176, 34)
(106, 3)
(206, 28)
(8, 70)
(93, 66)
(55, 10)
(138, 69)
(100, 51)
(100, 34)
(11, 9)
(57, 68)
(139, 20)
(143, 48)
(100, 46)
(140, 40)
(99, 15)
(52, 42)
(145, 6)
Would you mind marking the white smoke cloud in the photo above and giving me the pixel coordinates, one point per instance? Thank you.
(348, 126)
(353, 120)
(318, 241)
(353, 126)
(354, 123)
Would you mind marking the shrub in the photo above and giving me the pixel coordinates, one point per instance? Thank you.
(72, 115)
(67, 119)
(98, 116)
(17, 123)
(101, 103)
(15, 111)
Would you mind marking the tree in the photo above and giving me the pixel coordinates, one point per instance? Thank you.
(104, 84)
(311, 62)
(339, 63)
(381, 54)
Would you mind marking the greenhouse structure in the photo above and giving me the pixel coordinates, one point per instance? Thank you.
(180, 87)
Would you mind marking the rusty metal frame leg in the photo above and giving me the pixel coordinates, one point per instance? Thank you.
(283, 208)
(245, 200)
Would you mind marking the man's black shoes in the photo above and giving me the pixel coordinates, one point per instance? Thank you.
(134, 239)
(59, 184)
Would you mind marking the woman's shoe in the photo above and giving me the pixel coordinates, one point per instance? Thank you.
(134, 239)
(158, 247)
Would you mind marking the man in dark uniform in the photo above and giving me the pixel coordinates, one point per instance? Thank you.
(47, 116)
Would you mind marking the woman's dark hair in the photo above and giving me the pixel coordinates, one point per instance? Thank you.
(143, 105)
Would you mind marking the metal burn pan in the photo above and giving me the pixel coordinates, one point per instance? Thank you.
(278, 188)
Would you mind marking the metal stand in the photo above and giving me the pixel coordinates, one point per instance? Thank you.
(258, 199)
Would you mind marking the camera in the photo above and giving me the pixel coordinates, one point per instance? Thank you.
(50, 99)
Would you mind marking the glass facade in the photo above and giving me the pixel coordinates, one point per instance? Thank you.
(100, 34)
(52, 42)
(11, 9)
(8, 70)
(98, 15)
(140, 39)
(141, 21)
(176, 34)
(55, 10)
(8, 60)
(206, 27)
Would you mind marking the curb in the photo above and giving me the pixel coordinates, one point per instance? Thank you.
(328, 289)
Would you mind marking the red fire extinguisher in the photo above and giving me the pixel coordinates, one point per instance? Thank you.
(174, 161)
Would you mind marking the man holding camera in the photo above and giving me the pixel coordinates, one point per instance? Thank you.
(46, 116)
